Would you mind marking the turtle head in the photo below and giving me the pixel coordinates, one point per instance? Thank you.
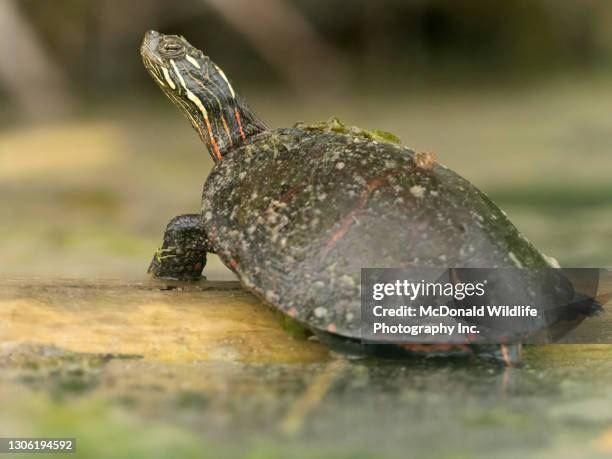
(200, 89)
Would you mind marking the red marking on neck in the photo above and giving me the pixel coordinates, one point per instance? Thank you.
(239, 124)
(213, 141)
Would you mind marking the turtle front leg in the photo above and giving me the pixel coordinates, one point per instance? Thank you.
(182, 255)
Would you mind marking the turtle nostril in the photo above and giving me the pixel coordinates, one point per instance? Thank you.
(151, 36)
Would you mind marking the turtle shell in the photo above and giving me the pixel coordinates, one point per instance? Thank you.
(298, 212)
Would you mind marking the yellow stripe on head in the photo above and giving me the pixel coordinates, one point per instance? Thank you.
(215, 147)
(168, 78)
(226, 81)
(193, 61)
(159, 81)
(180, 77)
(193, 98)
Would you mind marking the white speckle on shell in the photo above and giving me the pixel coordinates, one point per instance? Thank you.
(390, 165)
(320, 312)
(247, 282)
(417, 191)
(340, 165)
(348, 280)
(271, 296)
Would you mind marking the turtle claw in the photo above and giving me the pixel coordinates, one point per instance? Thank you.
(172, 267)
(159, 254)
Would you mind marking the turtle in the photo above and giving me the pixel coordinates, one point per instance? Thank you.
(296, 212)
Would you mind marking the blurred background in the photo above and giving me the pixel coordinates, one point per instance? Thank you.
(515, 96)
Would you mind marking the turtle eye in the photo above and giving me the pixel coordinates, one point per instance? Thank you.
(171, 48)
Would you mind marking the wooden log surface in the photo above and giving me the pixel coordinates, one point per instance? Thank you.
(176, 322)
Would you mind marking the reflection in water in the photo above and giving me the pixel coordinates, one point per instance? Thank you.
(430, 407)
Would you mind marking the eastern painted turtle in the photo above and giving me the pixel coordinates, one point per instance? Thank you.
(296, 212)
